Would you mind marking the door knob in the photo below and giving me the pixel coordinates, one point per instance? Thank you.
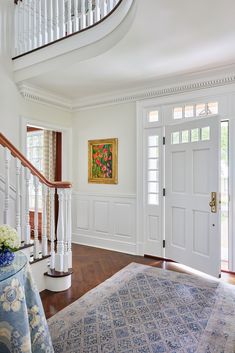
(213, 202)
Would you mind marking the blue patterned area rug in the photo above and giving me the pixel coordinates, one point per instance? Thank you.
(148, 310)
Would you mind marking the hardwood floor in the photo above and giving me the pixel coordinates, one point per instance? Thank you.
(92, 266)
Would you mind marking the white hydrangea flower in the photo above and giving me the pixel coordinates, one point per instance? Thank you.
(9, 238)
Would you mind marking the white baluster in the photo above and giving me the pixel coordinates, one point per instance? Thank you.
(76, 21)
(44, 220)
(34, 24)
(61, 19)
(56, 19)
(60, 233)
(27, 218)
(52, 227)
(18, 213)
(90, 13)
(97, 10)
(109, 5)
(7, 186)
(39, 22)
(30, 26)
(69, 23)
(44, 21)
(69, 227)
(21, 27)
(50, 20)
(36, 241)
(103, 8)
(65, 211)
(17, 34)
(83, 14)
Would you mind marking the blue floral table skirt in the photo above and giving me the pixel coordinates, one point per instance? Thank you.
(23, 326)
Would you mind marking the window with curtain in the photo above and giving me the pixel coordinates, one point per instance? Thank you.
(35, 145)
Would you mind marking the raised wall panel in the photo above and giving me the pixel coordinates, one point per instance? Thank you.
(178, 171)
(201, 171)
(105, 221)
(82, 214)
(101, 216)
(123, 219)
(153, 228)
(200, 232)
(178, 227)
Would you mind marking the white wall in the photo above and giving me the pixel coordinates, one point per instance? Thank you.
(12, 104)
(104, 215)
(106, 122)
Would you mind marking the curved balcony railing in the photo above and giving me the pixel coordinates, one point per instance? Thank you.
(41, 22)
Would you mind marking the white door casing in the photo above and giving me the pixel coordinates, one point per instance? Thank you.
(153, 202)
(192, 162)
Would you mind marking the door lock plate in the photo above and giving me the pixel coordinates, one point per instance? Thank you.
(213, 202)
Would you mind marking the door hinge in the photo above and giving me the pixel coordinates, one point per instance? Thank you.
(163, 243)
(163, 140)
(164, 192)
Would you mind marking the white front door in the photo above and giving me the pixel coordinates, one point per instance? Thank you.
(192, 226)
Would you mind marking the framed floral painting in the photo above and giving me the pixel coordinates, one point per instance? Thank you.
(102, 161)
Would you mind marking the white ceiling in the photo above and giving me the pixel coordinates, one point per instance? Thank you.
(167, 38)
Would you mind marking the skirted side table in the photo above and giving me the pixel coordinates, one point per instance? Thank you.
(23, 326)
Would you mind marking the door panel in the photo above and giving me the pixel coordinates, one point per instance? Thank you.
(192, 173)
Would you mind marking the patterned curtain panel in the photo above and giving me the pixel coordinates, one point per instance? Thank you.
(49, 165)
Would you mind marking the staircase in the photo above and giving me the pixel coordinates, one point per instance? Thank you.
(51, 261)
(39, 23)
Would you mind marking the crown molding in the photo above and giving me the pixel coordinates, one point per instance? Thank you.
(36, 95)
(32, 93)
(157, 92)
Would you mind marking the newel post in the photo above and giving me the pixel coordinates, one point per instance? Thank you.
(59, 256)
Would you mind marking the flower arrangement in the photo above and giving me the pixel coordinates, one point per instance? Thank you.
(9, 239)
(102, 161)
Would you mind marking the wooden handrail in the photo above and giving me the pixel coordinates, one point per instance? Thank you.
(16, 153)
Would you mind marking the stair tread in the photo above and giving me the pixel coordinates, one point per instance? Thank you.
(40, 259)
(56, 274)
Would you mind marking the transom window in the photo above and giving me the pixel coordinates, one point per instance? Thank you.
(195, 110)
(193, 135)
(153, 116)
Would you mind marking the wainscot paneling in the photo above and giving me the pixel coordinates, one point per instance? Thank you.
(105, 221)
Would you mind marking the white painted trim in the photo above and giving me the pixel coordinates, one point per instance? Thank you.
(106, 221)
(93, 194)
(66, 142)
(221, 84)
(37, 95)
(103, 243)
(226, 97)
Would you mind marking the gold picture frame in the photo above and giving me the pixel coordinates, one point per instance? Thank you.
(103, 161)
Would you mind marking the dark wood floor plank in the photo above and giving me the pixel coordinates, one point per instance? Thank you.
(92, 266)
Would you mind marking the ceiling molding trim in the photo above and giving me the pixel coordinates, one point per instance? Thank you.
(33, 94)
(36, 95)
(153, 93)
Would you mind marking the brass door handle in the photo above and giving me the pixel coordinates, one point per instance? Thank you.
(213, 202)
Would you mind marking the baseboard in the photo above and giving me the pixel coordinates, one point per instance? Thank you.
(108, 244)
